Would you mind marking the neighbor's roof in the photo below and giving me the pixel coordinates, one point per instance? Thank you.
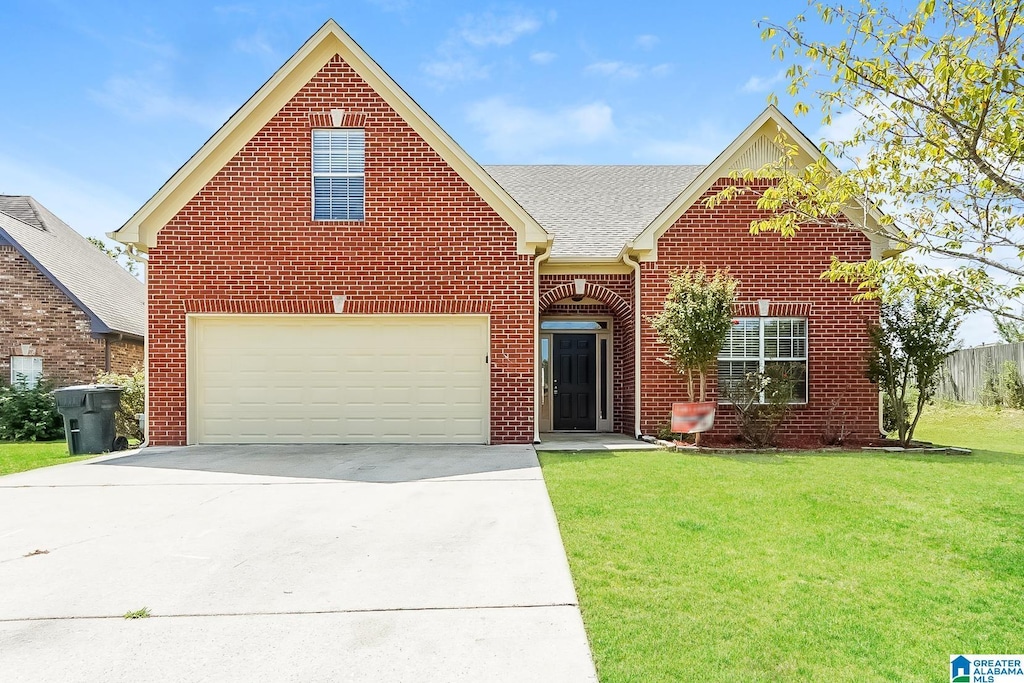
(593, 211)
(112, 298)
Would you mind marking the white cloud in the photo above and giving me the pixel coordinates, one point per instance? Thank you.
(483, 30)
(255, 44)
(699, 143)
(542, 57)
(90, 208)
(615, 70)
(647, 41)
(842, 126)
(140, 98)
(457, 57)
(763, 84)
(455, 69)
(520, 133)
(661, 69)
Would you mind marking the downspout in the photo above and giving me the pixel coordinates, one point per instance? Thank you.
(635, 265)
(134, 254)
(537, 389)
(881, 414)
(106, 355)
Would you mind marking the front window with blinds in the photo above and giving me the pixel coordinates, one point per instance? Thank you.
(338, 182)
(26, 371)
(765, 346)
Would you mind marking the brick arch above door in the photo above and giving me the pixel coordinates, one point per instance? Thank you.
(592, 290)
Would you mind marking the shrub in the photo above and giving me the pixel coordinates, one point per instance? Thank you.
(29, 414)
(835, 431)
(133, 400)
(1011, 386)
(760, 419)
(991, 393)
(909, 344)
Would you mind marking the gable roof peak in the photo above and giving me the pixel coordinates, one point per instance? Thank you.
(755, 144)
(329, 41)
(112, 298)
(24, 208)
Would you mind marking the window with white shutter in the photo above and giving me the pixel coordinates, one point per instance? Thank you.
(338, 180)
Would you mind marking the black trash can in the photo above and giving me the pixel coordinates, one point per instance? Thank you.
(88, 412)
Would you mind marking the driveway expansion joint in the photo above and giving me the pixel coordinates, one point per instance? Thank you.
(366, 610)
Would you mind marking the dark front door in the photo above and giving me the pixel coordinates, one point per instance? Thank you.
(575, 382)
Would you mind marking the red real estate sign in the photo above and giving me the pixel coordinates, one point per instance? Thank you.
(690, 418)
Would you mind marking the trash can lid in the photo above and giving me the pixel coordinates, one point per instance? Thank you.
(91, 387)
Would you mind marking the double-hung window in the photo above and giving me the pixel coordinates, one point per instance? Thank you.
(338, 180)
(765, 347)
(26, 371)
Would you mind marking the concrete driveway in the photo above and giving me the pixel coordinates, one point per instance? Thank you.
(288, 563)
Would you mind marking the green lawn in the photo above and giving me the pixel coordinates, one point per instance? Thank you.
(952, 424)
(18, 456)
(813, 567)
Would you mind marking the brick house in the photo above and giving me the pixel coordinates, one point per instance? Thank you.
(67, 311)
(331, 266)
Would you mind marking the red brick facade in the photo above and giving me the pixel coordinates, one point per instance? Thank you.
(247, 241)
(783, 271)
(36, 314)
(127, 357)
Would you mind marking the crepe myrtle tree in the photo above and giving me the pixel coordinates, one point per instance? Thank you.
(695, 322)
(922, 107)
(914, 336)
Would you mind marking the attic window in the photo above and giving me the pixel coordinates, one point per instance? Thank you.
(338, 180)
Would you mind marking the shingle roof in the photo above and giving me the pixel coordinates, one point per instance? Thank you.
(107, 293)
(593, 210)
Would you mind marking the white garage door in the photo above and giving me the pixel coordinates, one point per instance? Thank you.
(352, 379)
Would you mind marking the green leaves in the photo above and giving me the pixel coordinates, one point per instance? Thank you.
(909, 344)
(695, 321)
(936, 152)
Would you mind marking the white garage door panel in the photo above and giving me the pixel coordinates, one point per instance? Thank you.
(295, 379)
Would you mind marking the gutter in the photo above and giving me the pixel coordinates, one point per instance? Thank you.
(635, 265)
(540, 258)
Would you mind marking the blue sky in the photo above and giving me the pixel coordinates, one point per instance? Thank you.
(107, 99)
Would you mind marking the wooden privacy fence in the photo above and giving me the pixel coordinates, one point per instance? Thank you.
(964, 374)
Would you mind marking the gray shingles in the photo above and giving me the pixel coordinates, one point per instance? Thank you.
(593, 210)
(108, 291)
(22, 208)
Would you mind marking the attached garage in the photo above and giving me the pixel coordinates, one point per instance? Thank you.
(338, 379)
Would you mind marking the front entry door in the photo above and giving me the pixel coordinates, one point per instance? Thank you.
(575, 382)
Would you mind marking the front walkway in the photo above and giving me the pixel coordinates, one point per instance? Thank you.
(300, 563)
(591, 441)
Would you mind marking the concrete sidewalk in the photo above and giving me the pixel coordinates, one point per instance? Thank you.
(288, 563)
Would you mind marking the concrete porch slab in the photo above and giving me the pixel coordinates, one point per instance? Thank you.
(567, 441)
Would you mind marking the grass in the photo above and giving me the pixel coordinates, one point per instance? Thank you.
(799, 567)
(18, 456)
(986, 428)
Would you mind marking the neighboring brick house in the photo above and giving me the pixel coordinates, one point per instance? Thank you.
(331, 266)
(67, 310)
